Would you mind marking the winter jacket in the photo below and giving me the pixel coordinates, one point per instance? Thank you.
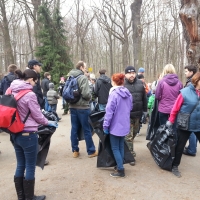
(6, 81)
(52, 95)
(102, 88)
(45, 86)
(151, 103)
(118, 108)
(38, 91)
(83, 85)
(187, 103)
(26, 103)
(136, 88)
(167, 91)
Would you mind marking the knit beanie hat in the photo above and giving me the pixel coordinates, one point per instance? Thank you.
(130, 69)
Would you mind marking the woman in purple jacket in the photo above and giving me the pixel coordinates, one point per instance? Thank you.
(117, 120)
(26, 142)
(167, 91)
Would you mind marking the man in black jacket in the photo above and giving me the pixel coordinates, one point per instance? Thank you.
(36, 66)
(102, 88)
(136, 88)
(45, 88)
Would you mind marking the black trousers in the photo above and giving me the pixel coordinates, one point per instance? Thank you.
(183, 136)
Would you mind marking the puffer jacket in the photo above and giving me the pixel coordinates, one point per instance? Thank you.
(52, 95)
(136, 88)
(83, 84)
(26, 103)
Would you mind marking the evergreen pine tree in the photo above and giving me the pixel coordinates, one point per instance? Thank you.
(53, 51)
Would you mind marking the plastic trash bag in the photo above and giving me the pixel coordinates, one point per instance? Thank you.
(153, 122)
(44, 139)
(162, 147)
(105, 155)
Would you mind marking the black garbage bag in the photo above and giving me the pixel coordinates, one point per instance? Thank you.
(105, 155)
(162, 147)
(153, 122)
(44, 139)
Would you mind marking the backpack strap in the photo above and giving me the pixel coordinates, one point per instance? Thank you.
(21, 94)
(18, 96)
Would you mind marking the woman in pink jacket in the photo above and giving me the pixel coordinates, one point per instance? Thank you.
(26, 142)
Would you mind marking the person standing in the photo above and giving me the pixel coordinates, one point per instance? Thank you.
(52, 98)
(136, 88)
(191, 149)
(79, 112)
(26, 142)
(45, 88)
(102, 88)
(117, 120)
(36, 66)
(7, 80)
(188, 101)
(167, 91)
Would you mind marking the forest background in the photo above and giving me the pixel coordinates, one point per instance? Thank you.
(108, 34)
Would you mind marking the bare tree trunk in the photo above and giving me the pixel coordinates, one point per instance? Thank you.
(9, 57)
(137, 30)
(189, 15)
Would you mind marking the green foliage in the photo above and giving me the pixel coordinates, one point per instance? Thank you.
(53, 51)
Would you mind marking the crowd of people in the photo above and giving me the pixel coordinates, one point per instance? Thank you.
(126, 99)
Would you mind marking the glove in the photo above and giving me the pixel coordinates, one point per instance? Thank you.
(53, 124)
(106, 131)
(169, 124)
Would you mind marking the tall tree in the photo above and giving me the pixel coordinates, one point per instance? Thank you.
(4, 25)
(137, 31)
(53, 51)
(190, 18)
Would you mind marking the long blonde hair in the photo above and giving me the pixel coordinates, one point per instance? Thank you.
(168, 69)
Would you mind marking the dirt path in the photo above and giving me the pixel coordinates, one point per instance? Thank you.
(67, 178)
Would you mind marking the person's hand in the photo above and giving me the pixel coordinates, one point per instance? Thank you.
(169, 124)
(53, 124)
(106, 131)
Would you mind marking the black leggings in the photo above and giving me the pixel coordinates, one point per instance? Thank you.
(183, 136)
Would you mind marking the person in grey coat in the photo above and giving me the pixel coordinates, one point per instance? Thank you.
(52, 98)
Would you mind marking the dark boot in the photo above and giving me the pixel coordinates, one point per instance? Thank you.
(119, 174)
(19, 187)
(176, 172)
(29, 191)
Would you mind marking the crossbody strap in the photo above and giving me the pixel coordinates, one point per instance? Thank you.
(195, 106)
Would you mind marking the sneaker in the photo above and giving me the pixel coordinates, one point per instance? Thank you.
(185, 152)
(64, 114)
(176, 172)
(75, 154)
(119, 174)
(93, 155)
(46, 162)
(132, 163)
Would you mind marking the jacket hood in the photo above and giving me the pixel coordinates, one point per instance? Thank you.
(171, 79)
(122, 91)
(75, 72)
(104, 79)
(18, 85)
(51, 85)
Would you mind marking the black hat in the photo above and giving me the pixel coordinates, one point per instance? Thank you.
(34, 62)
(130, 69)
(140, 76)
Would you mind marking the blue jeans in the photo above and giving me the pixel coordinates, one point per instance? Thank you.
(163, 117)
(47, 107)
(79, 118)
(192, 147)
(102, 107)
(117, 146)
(26, 149)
